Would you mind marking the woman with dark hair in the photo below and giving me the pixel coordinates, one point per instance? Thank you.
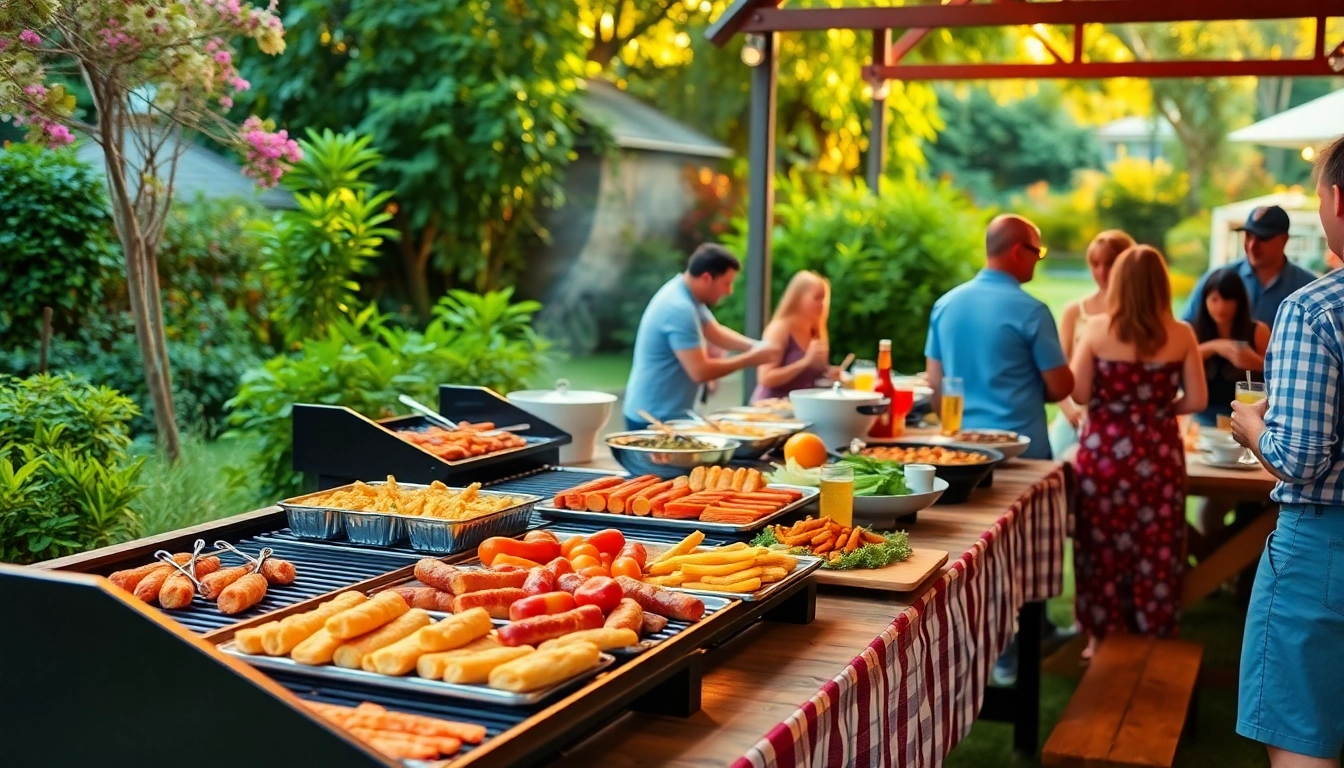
(1137, 368)
(1230, 342)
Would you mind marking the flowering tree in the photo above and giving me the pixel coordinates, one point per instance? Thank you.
(156, 70)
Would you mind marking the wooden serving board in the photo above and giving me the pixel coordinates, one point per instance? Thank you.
(905, 576)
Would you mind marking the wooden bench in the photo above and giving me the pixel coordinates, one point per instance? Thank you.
(1131, 706)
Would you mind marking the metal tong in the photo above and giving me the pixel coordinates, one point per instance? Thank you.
(189, 569)
(448, 423)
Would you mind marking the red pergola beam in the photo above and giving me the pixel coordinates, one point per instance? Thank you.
(1068, 12)
(1103, 69)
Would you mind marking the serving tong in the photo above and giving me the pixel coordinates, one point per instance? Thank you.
(221, 547)
(448, 423)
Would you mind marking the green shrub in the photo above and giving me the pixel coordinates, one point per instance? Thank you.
(364, 363)
(1068, 220)
(57, 248)
(652, 264)
(66, 483)
(1144, 199)
(195, 490)
(888, 256)
(1187, 245)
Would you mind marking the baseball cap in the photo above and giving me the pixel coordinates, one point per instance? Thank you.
(1266, 222)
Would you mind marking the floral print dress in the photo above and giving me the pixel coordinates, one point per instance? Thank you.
(1129, 541)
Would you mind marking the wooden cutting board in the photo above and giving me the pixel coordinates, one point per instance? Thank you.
(902, 577)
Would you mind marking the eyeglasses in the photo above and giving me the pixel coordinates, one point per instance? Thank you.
(1039, 250)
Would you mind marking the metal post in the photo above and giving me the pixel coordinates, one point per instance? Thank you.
(760, 195)
(877, 136)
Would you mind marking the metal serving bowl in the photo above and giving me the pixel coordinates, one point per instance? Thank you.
(669, 463)
(752, 448)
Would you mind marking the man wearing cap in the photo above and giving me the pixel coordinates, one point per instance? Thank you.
(1268, 274)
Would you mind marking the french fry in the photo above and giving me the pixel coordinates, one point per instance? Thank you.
(682, 547)
(825, 533)
(741, 587)
(721, 556)
(691, 570)
(733, 578)
(771, 575)
(673, 579)
(824, 546)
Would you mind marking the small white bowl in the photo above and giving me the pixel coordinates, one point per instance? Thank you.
(881, 512)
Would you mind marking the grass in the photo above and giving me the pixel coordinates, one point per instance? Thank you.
(606, 371)
(197, 489)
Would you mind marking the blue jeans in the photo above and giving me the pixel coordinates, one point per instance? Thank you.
(1291, 677)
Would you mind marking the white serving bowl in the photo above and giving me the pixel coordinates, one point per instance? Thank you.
(838, 415)
(581, 413)
(881, 512)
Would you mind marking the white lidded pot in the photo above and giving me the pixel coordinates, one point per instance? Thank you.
(838, 415)
(580, 412)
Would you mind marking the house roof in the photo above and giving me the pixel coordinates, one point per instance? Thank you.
(200, 171)
(636, 125)
(1313, 124)
(1134, 128)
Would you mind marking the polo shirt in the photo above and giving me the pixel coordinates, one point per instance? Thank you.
(998, 339)
(1265, 299)
(673, 321)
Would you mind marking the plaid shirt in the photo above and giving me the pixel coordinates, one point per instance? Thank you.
(1304, 368)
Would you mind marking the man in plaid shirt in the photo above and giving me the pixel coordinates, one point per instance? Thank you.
(1292, 683)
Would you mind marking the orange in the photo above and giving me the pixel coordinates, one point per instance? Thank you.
(807, 449)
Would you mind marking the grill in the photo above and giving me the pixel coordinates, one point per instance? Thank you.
(321, 569)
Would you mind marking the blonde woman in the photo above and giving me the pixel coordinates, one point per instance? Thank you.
(1137, 368)
(1102, 252)
(799, 330)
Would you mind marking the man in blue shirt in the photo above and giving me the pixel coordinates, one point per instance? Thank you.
(1001, 341)
(1268, 274)
(671, 361)
(1289, 692)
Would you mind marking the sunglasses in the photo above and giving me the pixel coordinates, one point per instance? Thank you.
(1039, 250)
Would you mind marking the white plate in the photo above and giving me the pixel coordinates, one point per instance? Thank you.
(887, 506)
(1242, 465)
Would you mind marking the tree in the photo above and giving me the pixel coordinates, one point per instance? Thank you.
(472, 103)
(157, 70)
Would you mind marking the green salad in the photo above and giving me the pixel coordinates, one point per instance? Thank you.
(872, 477)
(894, 549)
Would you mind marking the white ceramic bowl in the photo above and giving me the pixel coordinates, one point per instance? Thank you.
(581, 413)
(837, 415)
(881, 512)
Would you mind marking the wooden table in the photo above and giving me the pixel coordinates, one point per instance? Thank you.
(1247, 540)
(763, 676)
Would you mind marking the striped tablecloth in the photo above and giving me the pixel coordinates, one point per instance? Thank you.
(916, 689)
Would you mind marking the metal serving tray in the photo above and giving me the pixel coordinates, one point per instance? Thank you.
(481, 693)
(713, 605)
(626, 522)
(384, 529)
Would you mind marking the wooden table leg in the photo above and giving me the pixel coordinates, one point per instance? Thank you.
(1021, 704)
(1230, 559)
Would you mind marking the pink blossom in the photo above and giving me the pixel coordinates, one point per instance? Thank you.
(29, 37)
(226, 102)
(4, 43)
(240, 85)
(36, 91)
(267, 154)
(59, 135)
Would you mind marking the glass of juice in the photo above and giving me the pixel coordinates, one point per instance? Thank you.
(954, 400)
(902, 401)
(865, 375)
(1250, 392)
(837, 493)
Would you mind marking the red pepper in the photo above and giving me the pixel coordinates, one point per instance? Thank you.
(548, 604)
(600, 591)
(536, 551)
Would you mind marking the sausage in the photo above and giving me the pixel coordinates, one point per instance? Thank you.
(496, 602)
(148, 588)
(434, 573)
(178, 591)
(242, 594)
(217, 581)
(426, 598)
(535, 630)
(559, 567)
(673, 605)
(129, 579)
(279, 572)
(539, 582)
(462, 582)
(653, 624)
(571, 581)
(628, 615)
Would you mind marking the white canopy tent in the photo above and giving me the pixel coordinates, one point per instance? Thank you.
(1314, 124)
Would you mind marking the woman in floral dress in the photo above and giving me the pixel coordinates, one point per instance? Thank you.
(1137, 368)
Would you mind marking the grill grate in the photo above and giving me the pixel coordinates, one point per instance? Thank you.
(321, 569)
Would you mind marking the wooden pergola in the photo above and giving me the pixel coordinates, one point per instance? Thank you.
(764, 20)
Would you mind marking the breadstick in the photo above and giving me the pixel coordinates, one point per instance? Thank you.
(475, 668)
(242, 594)
(352, 652)
(367, 616)
(544, 668)
(293, 630)
(318, 649)
(453, 632)
(604, 638)
(431, 665)
(250, 640)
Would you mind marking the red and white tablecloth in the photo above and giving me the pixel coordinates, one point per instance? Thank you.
(914, 692)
